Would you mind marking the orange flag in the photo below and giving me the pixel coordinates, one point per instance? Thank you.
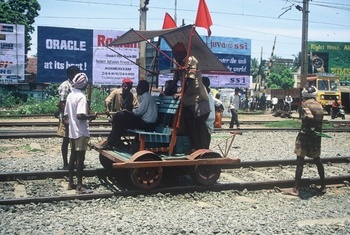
(169, 22)
(203, 18)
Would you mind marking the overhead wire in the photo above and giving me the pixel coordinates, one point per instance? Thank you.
(317, 3)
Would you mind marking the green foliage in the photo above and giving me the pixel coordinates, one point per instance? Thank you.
(292, 123)
(98, 97)
(7, 99)
(282, 80)
(30, 149)
(257, 68)
(289, 123)
(20, 12)
(32, 106)
(297, 61)
(49, 104)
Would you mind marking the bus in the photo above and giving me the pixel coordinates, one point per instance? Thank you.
(328, 88)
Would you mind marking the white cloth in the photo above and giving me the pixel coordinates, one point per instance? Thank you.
(217, 102)
(211, 118)
(77, 104)
(80, 81)
(147, 108)
(274, 100)
(288, 99)
(234, 101)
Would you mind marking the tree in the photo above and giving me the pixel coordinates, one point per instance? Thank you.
(297, 61)
(281, 80)
(20, 12)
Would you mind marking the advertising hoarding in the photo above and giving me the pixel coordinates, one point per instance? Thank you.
(12, 62)
(330, 57)
(59, 48)
(234, 53)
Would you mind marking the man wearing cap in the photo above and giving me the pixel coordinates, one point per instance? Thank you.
(195, 97)
(122, 97)
(76, 114)
(308, 143)
(63, 90)
(143, 117)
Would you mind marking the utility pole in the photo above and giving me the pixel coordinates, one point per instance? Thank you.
(143, 19)
(175, 13)
(304, 47)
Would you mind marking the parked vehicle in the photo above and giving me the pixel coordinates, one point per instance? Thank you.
(281, 95)
(339, 113)
(327, 85)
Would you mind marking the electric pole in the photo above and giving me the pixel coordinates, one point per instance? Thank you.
(304, 45)
(143, 19)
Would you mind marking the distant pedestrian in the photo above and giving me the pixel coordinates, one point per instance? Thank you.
(234, 107)
(288, 100)
(262, 102)
(274, 103)
(308, 142)
(76, 112)
(219, 109)
(63, 90)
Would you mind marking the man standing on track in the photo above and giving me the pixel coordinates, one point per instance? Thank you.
(308, 142)
(63, 90)
(76, 112)
(234, 107)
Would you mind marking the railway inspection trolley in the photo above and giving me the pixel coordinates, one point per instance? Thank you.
(146, 154)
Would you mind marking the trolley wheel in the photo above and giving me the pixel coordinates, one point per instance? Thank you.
(146, 178)
(205, 174)
(106, 162)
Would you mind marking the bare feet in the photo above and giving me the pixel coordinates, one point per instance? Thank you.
(71, 186)
(291, 192)
(82, 190)
(323, 189)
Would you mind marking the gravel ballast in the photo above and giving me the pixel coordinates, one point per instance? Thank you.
(228, 212)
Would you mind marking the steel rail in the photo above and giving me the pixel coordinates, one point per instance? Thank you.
(15, 134)
(250, 186)
(37, 175)
(94, 123)
(106, 123)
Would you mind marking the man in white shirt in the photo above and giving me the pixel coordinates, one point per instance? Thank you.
(76, 112)
(234, 107)
(288, 100)
(274, 102)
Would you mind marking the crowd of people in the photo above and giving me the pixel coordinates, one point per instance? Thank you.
(201, 112)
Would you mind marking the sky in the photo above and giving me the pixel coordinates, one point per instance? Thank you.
(258, 20)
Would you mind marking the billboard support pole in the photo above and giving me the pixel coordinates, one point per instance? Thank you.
(304, 47)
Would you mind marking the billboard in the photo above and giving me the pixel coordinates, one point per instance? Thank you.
(59, 48)
(234, 54)
(12, 48)
(329, 57)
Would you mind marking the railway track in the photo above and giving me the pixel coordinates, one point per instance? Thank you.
(15, 134)
(32, 187)
(105, 123)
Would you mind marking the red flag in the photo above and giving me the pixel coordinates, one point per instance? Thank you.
(169, 22)
(203, 18)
